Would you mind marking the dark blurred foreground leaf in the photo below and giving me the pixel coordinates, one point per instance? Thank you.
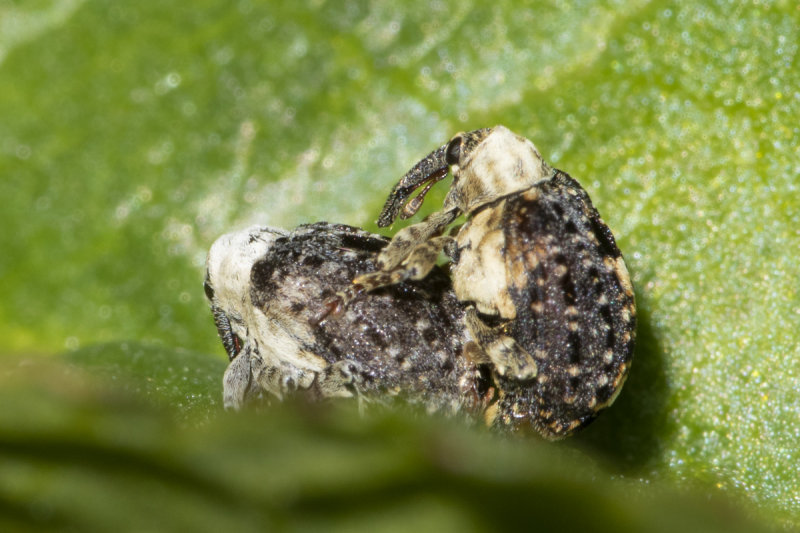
(77, 454)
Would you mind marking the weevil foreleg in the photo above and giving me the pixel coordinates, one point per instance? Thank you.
(416, 265)
(508, 358)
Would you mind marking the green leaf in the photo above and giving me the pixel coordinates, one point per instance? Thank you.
(133, 134)
(188, 381)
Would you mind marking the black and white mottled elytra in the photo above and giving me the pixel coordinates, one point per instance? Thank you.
(551, 307)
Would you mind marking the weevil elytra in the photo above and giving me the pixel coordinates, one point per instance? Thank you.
(551, 307)
(265, 287)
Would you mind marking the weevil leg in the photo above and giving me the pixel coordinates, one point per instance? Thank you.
(409, 238)
(417, 265)
(343, 379)
(280, 379)
(474, 353)
(451, 248)
(236, 381)
(411, 254)
(508, 358)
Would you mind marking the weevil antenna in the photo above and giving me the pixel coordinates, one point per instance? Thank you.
(433, 166)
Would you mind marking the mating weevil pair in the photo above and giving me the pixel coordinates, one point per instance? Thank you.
(548, 304)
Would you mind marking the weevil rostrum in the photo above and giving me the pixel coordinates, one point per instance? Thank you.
(550, 305)
(403, 343)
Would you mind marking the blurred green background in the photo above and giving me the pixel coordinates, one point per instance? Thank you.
(133, 134)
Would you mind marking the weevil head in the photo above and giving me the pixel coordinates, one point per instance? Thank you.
(490, 163)
(227, 281)
(487, 164)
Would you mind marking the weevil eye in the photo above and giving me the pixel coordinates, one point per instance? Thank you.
(453, 152)
(237, 345)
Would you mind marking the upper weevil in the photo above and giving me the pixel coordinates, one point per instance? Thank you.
(552, 310)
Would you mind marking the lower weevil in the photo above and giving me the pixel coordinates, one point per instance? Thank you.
(405, 342)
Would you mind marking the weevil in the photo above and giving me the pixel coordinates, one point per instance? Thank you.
(551, 307)
(404, 342)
